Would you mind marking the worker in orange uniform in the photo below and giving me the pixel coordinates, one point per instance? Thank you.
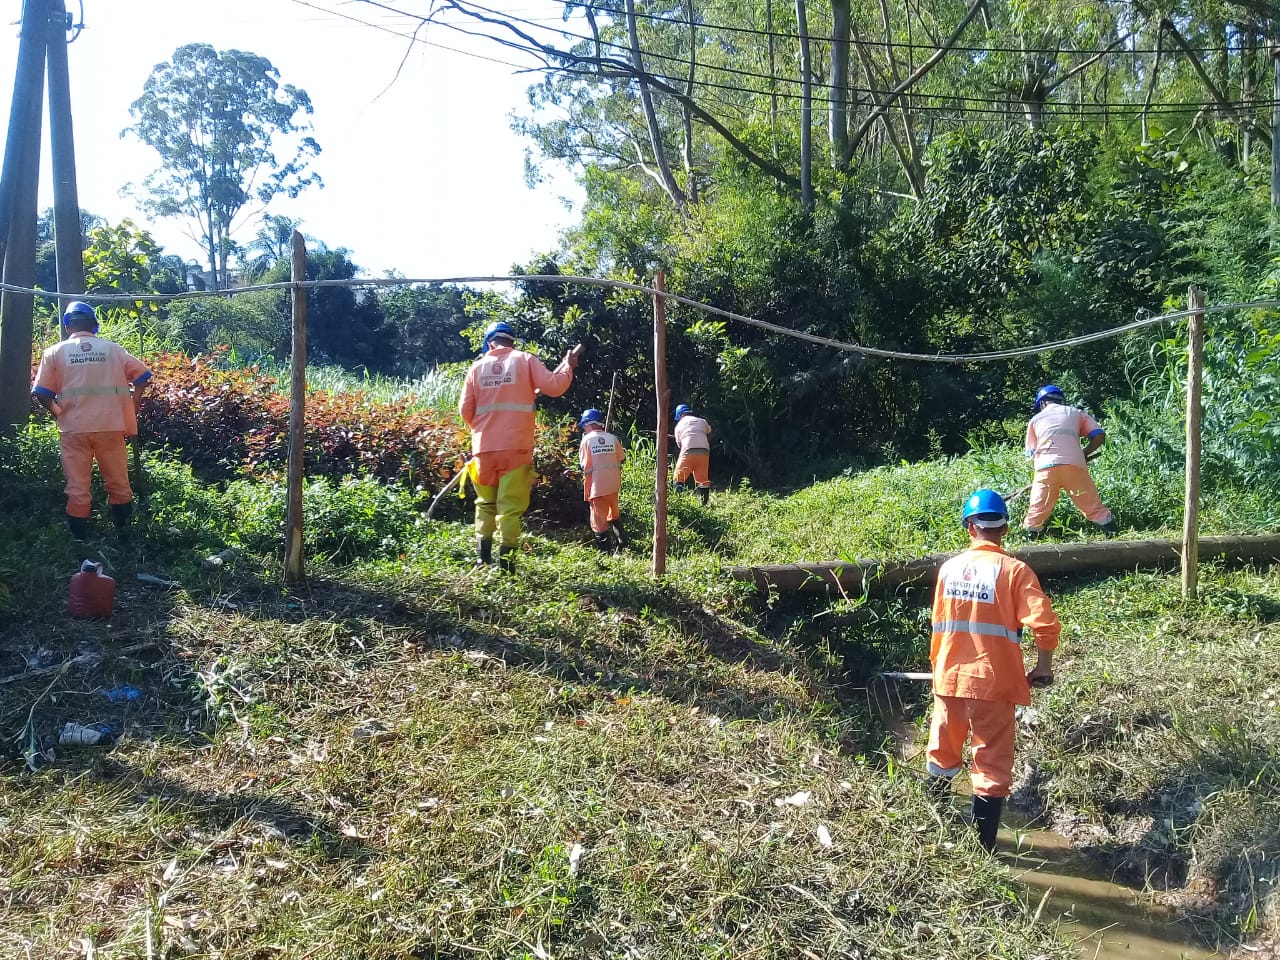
(693, 434)
(1060, 463)
(92, 387)
(601, 457)
(498, 405)
(983, 599)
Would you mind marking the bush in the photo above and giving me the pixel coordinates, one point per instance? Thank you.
(343, 520)
(234, 423)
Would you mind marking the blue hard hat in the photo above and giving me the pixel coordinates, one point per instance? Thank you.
(681, 411)
(590, 415)
(499, 329)
(77, 310)
(1047, 391)
(985, 508)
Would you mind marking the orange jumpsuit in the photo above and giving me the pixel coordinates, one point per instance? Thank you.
(982, 600)
(497, 403)
(601, 456)
(1053, 444)
(694, 436)
(88, 379)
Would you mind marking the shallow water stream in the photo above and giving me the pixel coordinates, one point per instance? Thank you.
(1106, 920)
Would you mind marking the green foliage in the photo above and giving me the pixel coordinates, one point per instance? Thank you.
(216, 118)
(355, 517)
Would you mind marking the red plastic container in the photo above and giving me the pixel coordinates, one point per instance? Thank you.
(93, 593)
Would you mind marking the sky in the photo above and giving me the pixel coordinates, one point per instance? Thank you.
(423, 174)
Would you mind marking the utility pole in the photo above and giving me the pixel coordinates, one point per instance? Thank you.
(19, 200)
(67, 227)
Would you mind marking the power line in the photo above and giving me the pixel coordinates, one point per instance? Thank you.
(755, 31)
(409, 37)
(996, 106)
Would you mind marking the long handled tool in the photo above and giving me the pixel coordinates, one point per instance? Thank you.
(447, 487)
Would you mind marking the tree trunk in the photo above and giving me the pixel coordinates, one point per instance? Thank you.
(690, 175)
(666, 177)
(806, 110)
(841, 24)
(773, 86)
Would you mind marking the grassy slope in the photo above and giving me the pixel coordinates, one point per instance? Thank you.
(652, 728)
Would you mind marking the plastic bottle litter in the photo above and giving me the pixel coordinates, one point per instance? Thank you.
(125, 694)
(93, 593)
(75, 735)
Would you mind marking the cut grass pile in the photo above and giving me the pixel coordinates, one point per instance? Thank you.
(417, 760)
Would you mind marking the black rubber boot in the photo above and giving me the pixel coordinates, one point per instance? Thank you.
(484, 552)
(78, 527)
(986, 819)
(122, 515)
(1029, 534)
(604, 542)
(1109, 528)
(939, 789)
(507, 559)
(704, 494)
(618, 534)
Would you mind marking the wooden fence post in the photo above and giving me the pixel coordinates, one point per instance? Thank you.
(1191, 509)
(294, 568)
(663, 394)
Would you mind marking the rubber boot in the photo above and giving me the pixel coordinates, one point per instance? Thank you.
(704, 494)
(78, 527)
(507, 559)
(1109, 528)
(618, 535)
(1029, 534)
(986, 819)
(484, 552)
(939, 789)
(604, 543)
(121, 515)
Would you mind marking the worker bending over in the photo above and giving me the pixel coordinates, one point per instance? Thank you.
(982, 600)
(92, 387)
(497, 403)
(693, 434)
(1053, 444)
(601, 457)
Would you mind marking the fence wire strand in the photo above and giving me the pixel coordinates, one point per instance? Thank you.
(954, 358)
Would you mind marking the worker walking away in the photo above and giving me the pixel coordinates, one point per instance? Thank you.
(601, 457)
(982, 600)
(693, 434)
(92, 387)
(1060, 463)
(497, 403)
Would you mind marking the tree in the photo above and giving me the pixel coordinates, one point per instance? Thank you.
(215, 118)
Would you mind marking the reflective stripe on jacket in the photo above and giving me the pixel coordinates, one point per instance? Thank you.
(983, 598)
(90, 377)
(601, 456)
(498, 397)
(693, 434)
(1054, 435)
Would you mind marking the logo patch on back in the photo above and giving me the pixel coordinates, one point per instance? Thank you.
(971, 581)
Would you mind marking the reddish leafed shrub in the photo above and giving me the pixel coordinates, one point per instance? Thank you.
(236, 423)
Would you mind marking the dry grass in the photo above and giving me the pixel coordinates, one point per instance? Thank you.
(448, 765)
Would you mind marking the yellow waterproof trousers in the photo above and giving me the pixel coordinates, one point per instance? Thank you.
(503, 480)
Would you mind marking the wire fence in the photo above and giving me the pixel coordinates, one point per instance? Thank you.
(607, 283)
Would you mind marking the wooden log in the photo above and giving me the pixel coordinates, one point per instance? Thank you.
(1191, 508)
(294, 561)
(862, 577)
